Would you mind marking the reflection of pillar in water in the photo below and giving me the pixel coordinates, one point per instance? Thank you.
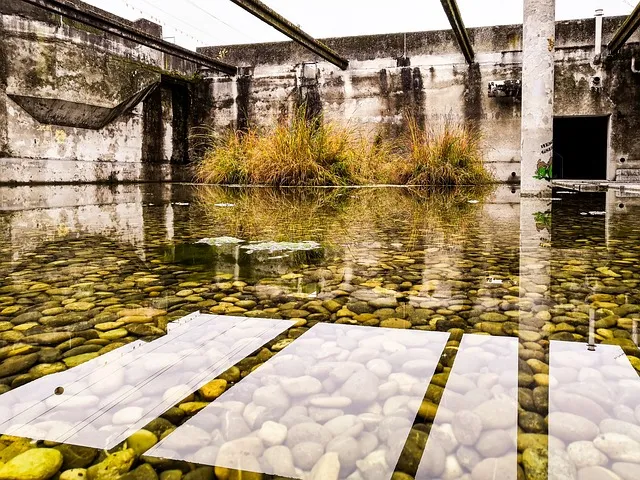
(592, 329)
(168, 219)
(535, 280)
(236, 262)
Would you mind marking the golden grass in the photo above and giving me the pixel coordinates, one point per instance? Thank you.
(312, 152)
(448, 153)
(307, 152)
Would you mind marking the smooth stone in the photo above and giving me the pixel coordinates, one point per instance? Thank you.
(535, 463)
(112, 466)
(141, 441)
(330, 402)
(497, 414)
(345, 425)
(143, 472)
(301, 386)
(467, 427)
(280, 461)
(495, 443)
(34, 464)
(596, 473)
(271, 396)
(75, 456)
(572, 428)
(306, 454)
(468, 457)
(585, 454)
(488, 468)
(17, 364)
(347, 448)
(327, 468)
(272, 433)
(302, 432)
(361, 387)
(627, 471)
(611, 425)
(189, 438)
(74, 474)
(127, 415)
(618, 447)
(241, 454)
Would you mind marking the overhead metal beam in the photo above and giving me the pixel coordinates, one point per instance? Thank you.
(267, 15)
(459, 30)
(630, 25)
(70, 10)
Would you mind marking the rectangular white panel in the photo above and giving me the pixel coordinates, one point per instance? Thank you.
(476, 424)
(594, 413)
(100, 403)
(340, 400)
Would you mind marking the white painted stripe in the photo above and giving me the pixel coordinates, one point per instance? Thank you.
(477, 418)
(339, 393)
(593, 398)
(109, 398)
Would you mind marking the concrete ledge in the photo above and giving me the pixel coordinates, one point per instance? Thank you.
(15, 171)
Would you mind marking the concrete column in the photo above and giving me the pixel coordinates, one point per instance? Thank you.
(4, 67)
(537, 95)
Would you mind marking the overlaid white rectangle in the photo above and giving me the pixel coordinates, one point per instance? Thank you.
(339, 401)
(100, 403)
(594, 418)
(476, 424)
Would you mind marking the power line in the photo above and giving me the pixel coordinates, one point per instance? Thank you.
(221, 21)
(132, 6)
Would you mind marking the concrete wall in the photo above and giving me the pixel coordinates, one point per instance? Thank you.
(435, 83)
(77, 104)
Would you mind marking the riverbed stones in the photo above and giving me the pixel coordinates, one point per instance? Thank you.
(114, 465)
(33, 464)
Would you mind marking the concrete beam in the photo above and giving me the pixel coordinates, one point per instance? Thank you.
(267, 15)
(459, 30)
(625, 31)
(67, 9)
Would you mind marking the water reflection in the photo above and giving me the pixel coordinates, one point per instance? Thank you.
(536, 272)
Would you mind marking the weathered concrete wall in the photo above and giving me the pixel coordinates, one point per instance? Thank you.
(435, 83)
(77, 104)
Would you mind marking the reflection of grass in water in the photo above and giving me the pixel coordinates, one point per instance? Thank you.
(339, 216)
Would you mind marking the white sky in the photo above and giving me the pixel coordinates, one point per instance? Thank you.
(195, 23)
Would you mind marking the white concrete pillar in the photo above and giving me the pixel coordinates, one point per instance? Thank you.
(4, 139)
(537, 95)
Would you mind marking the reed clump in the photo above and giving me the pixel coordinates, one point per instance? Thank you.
(302, 152)
(448, 153)
(313, 152)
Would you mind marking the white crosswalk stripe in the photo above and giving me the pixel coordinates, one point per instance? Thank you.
(100, 403)
(339, 393)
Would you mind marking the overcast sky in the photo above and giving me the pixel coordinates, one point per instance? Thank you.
(194, 23)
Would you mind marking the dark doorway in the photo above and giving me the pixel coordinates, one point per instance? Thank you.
(580, 148)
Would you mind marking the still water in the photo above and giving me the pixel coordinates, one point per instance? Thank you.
(369, 333)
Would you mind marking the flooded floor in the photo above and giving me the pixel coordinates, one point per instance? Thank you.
(364, 334)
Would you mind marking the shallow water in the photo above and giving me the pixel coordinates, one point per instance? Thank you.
(93, 278)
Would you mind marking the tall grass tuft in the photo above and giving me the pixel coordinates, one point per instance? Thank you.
(312, 152)
(304, 151)
(449, 153)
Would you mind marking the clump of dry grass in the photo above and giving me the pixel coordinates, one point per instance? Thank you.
(312, 152)
(449, 153)
(304, 151)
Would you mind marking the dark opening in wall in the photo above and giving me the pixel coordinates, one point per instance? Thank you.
(580, 147)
